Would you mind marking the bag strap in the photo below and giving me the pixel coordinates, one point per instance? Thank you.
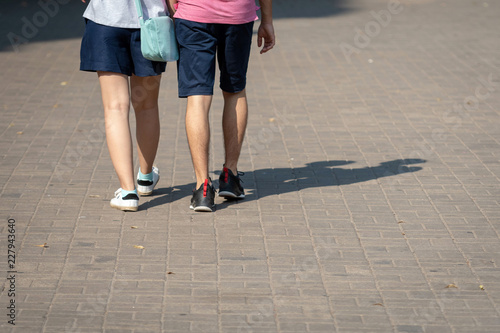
(141, 14)
(139, 11)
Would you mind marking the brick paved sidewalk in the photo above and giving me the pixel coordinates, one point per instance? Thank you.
(371, 165)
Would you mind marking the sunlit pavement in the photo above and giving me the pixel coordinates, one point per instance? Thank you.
(371, 169)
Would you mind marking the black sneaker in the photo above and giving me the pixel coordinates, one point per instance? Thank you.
(230, 185)
(203, 198)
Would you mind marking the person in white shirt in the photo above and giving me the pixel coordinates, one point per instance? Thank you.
(111, 47)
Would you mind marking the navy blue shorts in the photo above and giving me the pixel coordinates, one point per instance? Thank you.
(117, 50)
(198, 45)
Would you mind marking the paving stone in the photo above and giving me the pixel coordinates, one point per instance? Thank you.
(371, 169)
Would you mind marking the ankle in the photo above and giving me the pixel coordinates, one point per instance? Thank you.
(147, 176)
(232, 167)
(200, 182)
(124, 193)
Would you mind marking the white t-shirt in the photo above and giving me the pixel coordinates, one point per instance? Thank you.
(123, 13)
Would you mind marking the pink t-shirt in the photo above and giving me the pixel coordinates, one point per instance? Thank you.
(217, 11)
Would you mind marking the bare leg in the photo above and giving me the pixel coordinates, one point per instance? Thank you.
(198, 134)
(116, 101)
(144, 92)
(234, 124)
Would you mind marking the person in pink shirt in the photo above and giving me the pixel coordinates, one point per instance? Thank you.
(207, 30)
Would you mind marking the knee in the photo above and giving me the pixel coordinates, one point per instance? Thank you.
(144, 102)
(145, 106)
(117, 107)
(116, 113)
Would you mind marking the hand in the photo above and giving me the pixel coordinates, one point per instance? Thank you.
(172, 8)
(266, 34)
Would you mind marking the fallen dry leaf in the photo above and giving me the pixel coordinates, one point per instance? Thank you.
(399, 222)
(133, 227)
(271, 120)
(139, 247)
(481, 287)
(379, 304)
(64, 83)
(451, 285)
(170, 273)
(19, 133)
(43, 245)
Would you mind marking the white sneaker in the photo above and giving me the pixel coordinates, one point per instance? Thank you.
(129, 203)
(145, 187)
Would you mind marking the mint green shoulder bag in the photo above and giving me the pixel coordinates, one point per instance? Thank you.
(158, 41)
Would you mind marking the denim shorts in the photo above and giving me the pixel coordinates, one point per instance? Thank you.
(117, 50)
(199, 43)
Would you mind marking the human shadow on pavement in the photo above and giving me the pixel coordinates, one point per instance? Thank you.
(27, 21)
(289, 9)
(275, 181)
